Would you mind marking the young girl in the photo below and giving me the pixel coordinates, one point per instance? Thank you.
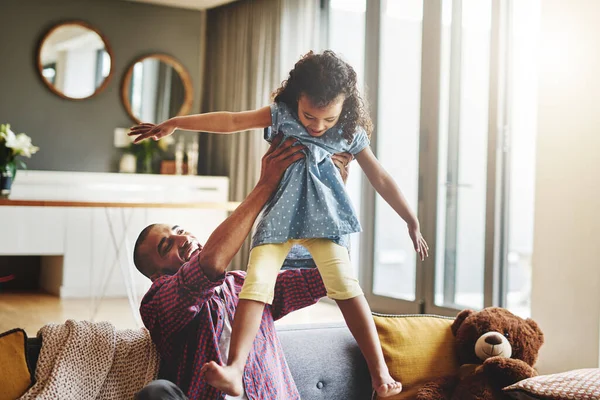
(320, 105)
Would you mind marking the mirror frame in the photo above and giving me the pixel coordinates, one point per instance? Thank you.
(107, 47)
(188, 99)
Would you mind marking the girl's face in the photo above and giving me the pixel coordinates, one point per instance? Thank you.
(318, 120)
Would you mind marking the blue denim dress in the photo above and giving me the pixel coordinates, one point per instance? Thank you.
(311, 200)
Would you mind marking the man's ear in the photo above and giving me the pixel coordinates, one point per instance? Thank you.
(460, 318)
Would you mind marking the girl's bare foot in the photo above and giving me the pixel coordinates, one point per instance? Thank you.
(388, 389)
(225, 378)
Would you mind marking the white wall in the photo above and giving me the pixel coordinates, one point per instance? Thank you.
(566, 259)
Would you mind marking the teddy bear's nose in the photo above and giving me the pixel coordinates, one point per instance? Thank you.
(493, 340)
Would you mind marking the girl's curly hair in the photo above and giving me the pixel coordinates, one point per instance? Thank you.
(323, 77)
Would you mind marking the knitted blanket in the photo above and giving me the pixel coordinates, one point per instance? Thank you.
(85, 360)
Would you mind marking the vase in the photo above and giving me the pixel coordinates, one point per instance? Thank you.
(7, 177)
(146, 166)
(127, 163)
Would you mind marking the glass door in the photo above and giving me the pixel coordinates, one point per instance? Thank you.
(394, 69)
(346, 37)
(438, 103)
(467, 188)
(463, 153)
(441, 82)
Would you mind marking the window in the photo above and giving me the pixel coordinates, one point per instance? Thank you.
(397, 144)
(462, 163)
(453, 89)
(346, 37)
(525, 16)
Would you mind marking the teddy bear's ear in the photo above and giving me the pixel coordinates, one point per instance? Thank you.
(537, 330)
(460, 318)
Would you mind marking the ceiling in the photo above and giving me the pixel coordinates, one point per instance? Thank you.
(190, 4)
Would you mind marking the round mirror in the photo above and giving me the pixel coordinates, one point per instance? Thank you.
(156, 88)
(75, 60)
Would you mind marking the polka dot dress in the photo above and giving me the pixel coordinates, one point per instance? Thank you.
(311, 200)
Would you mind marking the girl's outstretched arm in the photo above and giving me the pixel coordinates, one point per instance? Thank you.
(385, 185)
(215, 122)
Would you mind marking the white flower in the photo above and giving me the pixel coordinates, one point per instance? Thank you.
(21, 144)
(8, 135)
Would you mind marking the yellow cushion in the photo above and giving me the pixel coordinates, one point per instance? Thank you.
(14, 376)
(417, 349)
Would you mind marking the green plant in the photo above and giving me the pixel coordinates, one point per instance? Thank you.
(12, 146)
(148, 152)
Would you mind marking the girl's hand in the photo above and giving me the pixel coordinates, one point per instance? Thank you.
(419, 242)
(156, 132)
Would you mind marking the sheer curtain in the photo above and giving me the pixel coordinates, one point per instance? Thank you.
(303, 28)
(241, 70)
(250, 48)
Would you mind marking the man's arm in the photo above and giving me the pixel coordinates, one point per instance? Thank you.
(226, 240)
(173, 301)
(296, 289)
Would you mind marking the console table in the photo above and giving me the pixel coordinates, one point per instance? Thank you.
(84, 225)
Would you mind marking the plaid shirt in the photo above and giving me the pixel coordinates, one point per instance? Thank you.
(184, 315)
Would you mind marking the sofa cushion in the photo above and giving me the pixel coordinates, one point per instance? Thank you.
(15, 378)
(325, 362)
(581, 384)
(417, 349)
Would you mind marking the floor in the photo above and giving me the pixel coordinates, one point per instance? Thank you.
(30, 311)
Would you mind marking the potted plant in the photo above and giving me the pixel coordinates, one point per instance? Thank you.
(149, 153)
(11, 146)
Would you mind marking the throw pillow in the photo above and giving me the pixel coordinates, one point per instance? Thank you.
(580, 384)
(15, 378)
(417, 349)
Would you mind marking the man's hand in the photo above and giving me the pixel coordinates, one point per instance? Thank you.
(277, 160)
(342, 162)
(229, 236)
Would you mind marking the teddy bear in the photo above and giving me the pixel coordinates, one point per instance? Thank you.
(495, 349)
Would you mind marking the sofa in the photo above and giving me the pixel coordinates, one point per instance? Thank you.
(325, 361)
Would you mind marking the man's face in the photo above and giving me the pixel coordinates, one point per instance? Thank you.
(318, 120)
(168, 248)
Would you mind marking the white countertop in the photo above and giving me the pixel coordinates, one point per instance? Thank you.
(117, 187)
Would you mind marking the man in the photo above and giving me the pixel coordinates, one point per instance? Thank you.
(189, 308)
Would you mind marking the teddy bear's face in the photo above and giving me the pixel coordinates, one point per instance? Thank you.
(496, 332)
(493, 344)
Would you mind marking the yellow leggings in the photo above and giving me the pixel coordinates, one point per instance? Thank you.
(332, 261)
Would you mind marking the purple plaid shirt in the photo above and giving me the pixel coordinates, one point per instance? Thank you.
(184, 315)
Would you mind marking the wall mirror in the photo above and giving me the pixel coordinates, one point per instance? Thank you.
(155, 88)
(75, 60)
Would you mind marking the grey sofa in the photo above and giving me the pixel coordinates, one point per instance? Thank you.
(325, 361)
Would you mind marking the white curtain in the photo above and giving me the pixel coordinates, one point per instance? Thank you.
(241, 70)
(303, 28)
(251, 45)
